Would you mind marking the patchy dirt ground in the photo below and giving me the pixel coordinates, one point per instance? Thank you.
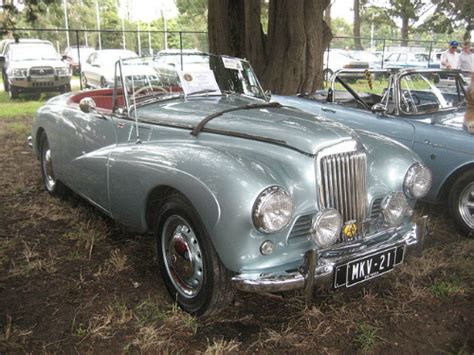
(72, 280)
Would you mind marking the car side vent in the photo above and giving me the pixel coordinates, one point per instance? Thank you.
(301, 231)
(376, 208)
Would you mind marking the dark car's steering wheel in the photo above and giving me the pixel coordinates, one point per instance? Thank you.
(409, 102)
(149, 88)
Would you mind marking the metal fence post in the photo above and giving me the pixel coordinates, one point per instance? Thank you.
(383, 53)
(181, 48)
(429, 53)
(79, 59)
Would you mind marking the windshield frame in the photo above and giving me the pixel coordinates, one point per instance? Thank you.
(394, 82)
(130, 102)
(22, 46)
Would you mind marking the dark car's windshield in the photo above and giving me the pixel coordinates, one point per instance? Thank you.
(33, 52)
(201, 74)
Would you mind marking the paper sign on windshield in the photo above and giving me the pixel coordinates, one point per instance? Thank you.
(232, 63)
(202, 80)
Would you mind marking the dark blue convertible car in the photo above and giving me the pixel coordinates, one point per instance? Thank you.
(420, 108)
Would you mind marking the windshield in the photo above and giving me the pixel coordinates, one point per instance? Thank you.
(426, 92)
(33, 52)
(417, 92)
(110, 57)
(201, 75)
(84, 52)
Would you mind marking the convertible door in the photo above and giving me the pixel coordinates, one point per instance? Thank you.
(87, 139)
(390, 126)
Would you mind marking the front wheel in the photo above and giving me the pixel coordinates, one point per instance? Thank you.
(193, 273)
(52, 185)
(65, 88)
(461, 202)
(13, 93)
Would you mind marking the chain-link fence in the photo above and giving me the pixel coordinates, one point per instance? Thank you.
(343, 52)
(74, 43)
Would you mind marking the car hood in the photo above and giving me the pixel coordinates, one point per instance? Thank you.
(288, 126)
(56, 63)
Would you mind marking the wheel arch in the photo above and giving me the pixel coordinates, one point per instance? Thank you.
(446, 187)
(39, 132)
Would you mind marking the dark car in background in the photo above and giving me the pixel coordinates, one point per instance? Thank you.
(34, 67)
(74, 54)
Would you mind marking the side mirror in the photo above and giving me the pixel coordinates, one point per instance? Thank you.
(268, 95)
(378, 108)
(64, 57)
(87, 104)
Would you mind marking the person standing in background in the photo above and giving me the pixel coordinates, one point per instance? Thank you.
(450, 58)
(469, 116)
(466, 58)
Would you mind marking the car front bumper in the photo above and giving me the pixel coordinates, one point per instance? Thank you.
(39, 83)
(318, 267)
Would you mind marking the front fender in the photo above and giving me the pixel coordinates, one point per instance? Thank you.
(222, 184)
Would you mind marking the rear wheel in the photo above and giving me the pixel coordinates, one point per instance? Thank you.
(193, 273)
(52, 185)
(5, 82)
(103, 82)
(85, 84)
(13, 93)
(461, 202)
(65, 88)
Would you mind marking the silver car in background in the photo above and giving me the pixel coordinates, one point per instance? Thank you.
(99, 69)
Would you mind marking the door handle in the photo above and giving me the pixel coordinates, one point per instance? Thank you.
(328, 110)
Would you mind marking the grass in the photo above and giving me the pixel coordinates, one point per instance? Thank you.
(443, 289)
(366, 337)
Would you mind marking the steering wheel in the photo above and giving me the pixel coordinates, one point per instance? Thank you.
(409, 102)
(149, 88)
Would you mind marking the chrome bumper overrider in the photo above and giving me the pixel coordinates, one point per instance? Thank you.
(318, 267)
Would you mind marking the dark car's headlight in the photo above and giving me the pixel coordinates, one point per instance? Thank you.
(272, 210)
(326, 227)
(62, 71)
(395, 207)
(19, 73)
(417, 181)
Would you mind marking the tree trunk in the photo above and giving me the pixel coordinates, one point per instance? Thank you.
(404, 33)
(356, 28)
(226, 28)
(327, 15)
(290, 59)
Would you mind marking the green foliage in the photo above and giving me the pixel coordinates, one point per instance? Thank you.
(452, 13)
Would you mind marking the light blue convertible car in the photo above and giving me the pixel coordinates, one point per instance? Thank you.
(239, 192)
(421, 108)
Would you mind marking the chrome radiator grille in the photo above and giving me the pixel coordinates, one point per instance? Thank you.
(344, 186)
(42, 71)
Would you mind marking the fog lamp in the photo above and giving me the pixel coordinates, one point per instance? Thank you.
(326, 227)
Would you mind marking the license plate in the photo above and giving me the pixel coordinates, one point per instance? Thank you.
(368, 267)
(42, 78)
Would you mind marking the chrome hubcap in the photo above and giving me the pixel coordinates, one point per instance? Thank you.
(182, 255)
(466, 205)
(49, 178)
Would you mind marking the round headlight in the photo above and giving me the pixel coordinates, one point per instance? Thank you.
(326, 227)
(395, 207)
(272, 210)
(417, 181)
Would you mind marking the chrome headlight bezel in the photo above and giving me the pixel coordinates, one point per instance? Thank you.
(19, 72)
(395, 208)
(261, 217)
(62, 71)
(317, 230)
(417, 181)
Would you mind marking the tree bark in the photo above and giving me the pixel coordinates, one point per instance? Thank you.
(404, 31)
(356, 28)
(289, 59)
(226, 29)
